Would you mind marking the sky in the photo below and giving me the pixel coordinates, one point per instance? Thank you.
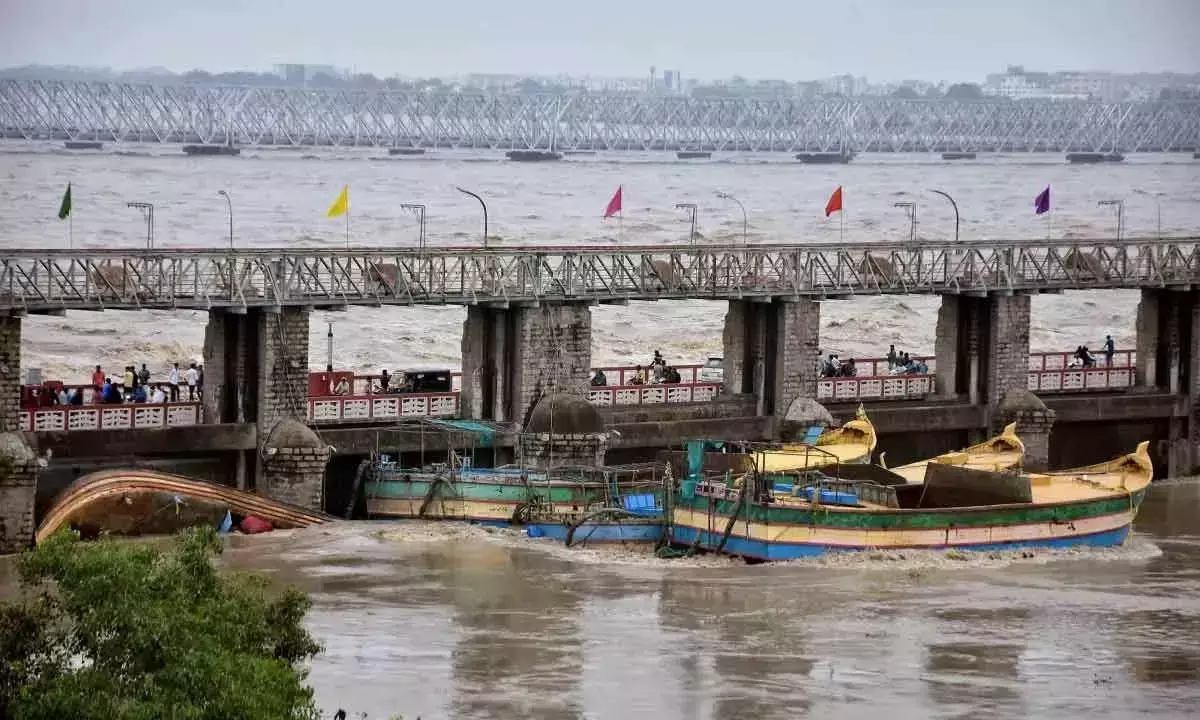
(885, 40)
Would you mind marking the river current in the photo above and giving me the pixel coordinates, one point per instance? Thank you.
(451, 621)
(280, 197)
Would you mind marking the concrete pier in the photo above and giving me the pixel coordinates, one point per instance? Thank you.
(772, 351)
(513, 356)
(18, 460)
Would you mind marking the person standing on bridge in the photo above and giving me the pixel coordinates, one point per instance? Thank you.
(173, 382)
(193, 377)
(1110, 349)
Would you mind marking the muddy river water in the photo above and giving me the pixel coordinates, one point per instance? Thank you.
(446, 621)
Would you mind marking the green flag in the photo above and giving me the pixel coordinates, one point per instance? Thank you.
(64, 210)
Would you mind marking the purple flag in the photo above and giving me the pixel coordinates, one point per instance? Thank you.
(1041, 203)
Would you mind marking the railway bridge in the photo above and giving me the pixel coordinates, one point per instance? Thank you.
(182, 113)
(528, 334)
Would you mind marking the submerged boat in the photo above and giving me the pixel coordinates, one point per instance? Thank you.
(780, 516)
(853, 442)
(147, 502)
(693, 155)
(227, 149)
(1002, 452)
(624, 506)
(532, 155)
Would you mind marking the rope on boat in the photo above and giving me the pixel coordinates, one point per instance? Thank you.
(615, 511)
(358, 478)
(737, 510)
(433, 488)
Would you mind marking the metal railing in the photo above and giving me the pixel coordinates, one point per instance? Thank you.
(40, 280)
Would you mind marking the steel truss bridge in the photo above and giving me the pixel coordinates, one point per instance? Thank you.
(122, 112)
(43, 281)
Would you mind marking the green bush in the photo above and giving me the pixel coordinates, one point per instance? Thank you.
(122, 631)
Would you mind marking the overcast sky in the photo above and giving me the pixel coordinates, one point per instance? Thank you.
(787, 39)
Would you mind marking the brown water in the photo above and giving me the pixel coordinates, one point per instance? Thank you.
(446, 621)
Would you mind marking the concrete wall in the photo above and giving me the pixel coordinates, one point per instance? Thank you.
(296, 475)
(1008, 352)
(10, 373)
(282, 372)
(797, 334)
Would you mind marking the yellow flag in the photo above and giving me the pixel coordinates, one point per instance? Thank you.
(342, 205)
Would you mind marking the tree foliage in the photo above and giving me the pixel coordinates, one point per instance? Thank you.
(125, 631)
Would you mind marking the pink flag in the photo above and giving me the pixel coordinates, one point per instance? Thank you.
(614, 205)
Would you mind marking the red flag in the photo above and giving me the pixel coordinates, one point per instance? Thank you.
(614, 205)
(835, 202)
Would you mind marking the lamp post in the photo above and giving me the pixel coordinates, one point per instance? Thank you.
(147, 212)
(954, 205)
(420, 211)
(1120, 206)
(1157, 209)
(910, 208)
(745, 224)
(691, 208)
(228, 204)
(483, 205)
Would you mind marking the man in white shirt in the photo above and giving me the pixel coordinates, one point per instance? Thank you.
(159, 396)
(173, 382)
(192, 378)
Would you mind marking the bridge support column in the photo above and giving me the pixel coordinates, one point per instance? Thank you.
(512, 356)
(1164, 332)
(771, 351)
(227, 337)
(18, 462)
(1034, 423)
(982, 347)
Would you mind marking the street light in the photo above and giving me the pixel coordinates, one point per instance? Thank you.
(229, 204)
(420, 211)
(1120, 206)
(910, 208)
(691, 208)
(947, 196)
(484, 206)
(1157, 208)
(727, 196)
(147, 210)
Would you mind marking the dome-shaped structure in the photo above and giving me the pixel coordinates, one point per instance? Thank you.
(291, 433)
(562, 414)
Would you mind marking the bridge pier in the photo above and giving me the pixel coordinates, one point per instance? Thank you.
(982, 349)
(256, 370)
(18, 461)
(1168, 358)
(515, 355)
(771, 351)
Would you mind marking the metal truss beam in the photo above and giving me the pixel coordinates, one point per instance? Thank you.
(117, 112)
(53, 280)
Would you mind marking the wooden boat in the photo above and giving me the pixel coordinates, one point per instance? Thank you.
(869, 508)
(693, 155)
(629, 510)
(853, 442)
(1002, 452)
(227, 150)
(84, 145)
(492, 496)
(148, 502)
(533, 155)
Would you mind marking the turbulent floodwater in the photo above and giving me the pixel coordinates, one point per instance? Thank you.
(450, 621)
(280, 198)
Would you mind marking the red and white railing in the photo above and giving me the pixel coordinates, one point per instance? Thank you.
(886, 387)
(369, 408)
(129, 416)
(1055, 373)
(657, 394)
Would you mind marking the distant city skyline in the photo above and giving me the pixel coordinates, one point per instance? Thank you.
(886, 41)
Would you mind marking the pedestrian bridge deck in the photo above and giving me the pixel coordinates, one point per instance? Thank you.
(40, 280)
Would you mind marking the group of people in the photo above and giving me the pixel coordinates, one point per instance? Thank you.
(658, 372)
(135, 386)
(900, 363)
(1083, 357)
(833, 366)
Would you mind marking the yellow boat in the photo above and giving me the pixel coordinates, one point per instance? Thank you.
(1126, 475)
(1002, 452)
(852, 443)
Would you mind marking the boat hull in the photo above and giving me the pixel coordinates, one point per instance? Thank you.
(481, 501)
(779, 533)
(627, 532)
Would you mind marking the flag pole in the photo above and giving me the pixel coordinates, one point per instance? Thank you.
(347, 226)
(841, 226)
(71, 231)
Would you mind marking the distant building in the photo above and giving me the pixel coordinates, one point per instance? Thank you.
(299, 74)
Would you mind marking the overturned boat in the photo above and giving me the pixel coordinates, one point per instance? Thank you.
(147, 502)
(760, 515)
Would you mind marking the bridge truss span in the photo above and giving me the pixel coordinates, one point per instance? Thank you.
(48, 281)
(132, 112)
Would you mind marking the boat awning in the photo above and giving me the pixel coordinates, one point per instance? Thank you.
(482, 429)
